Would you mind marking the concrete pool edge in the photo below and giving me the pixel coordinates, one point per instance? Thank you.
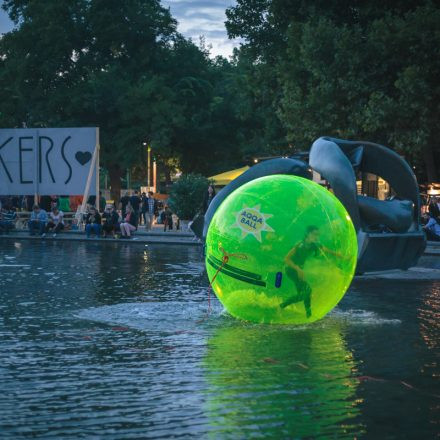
(137, 239)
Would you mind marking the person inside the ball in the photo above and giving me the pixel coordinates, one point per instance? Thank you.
(295, 260)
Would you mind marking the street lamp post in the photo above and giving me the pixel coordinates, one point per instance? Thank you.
(145, 144)
(154, 174)
(149, 168)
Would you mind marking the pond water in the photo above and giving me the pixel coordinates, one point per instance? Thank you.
(111, 341)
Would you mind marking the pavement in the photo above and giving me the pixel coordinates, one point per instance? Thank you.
(156, 235)
(413, 273)
(428, 267)
(432, 248)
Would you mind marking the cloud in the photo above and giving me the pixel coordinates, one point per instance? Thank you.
(5, 23)
(195, 17)
(207, 18)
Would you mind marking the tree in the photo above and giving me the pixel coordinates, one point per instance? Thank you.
(187, 194)
(347, 69)
(123, 67)
(85, 63)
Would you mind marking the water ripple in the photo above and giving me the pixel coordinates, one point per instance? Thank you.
(104, 341)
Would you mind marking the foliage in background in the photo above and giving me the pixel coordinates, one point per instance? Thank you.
(305, 69)
(346, 69)
(121, 66)
(186, 196)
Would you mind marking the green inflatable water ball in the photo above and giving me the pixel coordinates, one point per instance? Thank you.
(281, 249)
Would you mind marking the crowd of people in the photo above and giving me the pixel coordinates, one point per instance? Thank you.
(107, 220)
(122, 221)
(104, 220)
(133, 211)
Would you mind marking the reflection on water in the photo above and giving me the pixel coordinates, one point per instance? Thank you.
(428, 316)
(283, 380)
(111, 341)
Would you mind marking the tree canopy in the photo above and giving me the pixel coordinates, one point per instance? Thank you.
(121, 66)
(348, 69)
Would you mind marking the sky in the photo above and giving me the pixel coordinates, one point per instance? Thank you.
(195, 18)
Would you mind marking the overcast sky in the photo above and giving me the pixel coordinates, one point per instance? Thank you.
(195, 17)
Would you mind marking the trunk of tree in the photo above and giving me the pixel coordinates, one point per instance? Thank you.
(115, 174)
(428, 159)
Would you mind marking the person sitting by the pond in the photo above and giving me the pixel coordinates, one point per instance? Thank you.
(110, 221)
(56, 221)
(8, 216)
(166, 217)
(91, 201)
(93, 222)
(37, 221)
(129, 222)
(432, 228)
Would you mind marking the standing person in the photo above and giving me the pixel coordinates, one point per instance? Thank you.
(45, 202)
(53, 202)
(125, 200)
(30, 202)
(167, 218)
(129, 223)
(21, 202)
(56, 221)
(24, 203)
(7, 219)
(15, 202)
(209, 195)
(135, 202)
(144, 209)
(151, 210)
(37, 220)
(102, 202)
(93, 222)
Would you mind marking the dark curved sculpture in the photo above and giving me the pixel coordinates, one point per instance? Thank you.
(389, 232)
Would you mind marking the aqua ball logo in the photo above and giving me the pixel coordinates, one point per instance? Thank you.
(252, 221)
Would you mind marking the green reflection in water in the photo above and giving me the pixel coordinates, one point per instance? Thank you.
(279, 382)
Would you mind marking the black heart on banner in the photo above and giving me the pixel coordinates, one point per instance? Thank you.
(83, 157)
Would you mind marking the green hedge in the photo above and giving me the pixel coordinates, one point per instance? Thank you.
(186, 195)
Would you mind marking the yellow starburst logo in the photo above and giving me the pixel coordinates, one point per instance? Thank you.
(252, 221)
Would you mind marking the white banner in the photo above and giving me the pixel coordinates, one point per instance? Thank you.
(48, 161)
